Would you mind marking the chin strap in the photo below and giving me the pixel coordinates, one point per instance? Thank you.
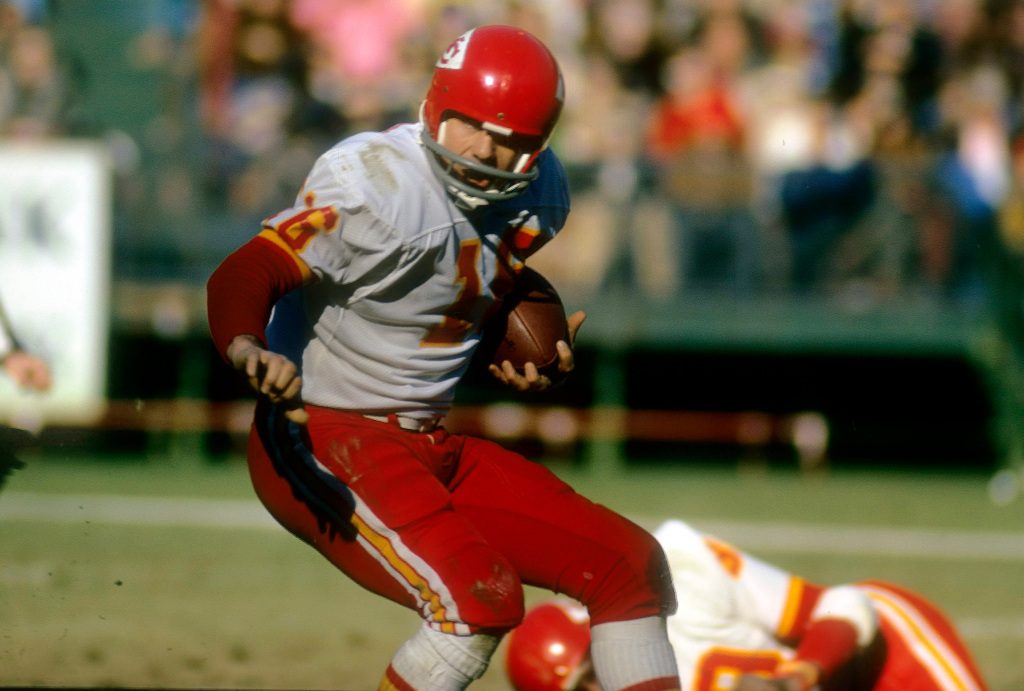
(465, 201)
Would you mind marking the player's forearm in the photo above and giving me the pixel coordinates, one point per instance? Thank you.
(828, 645)
(842, 623)
(242, 291)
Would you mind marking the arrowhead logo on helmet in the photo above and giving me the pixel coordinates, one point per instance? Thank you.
(453, 57)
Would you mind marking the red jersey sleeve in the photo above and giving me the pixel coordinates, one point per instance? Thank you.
(826, 639)
(828, 643)
(241, 292)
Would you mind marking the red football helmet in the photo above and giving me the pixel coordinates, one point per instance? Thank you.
(549, 650)
(509, 82)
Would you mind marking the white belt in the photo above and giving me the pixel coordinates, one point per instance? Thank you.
(410, 424)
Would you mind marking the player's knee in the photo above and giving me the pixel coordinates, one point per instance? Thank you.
(638, 584)
(492, 593)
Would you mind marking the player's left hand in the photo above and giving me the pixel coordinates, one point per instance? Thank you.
(530, 379)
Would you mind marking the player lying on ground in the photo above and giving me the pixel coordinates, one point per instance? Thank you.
(380, 278)
(745, 625)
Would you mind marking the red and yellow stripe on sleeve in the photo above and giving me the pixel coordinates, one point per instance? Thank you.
(275, 238)
(796, 612)
(242, 290)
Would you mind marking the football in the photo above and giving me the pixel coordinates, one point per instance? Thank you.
(531, 320)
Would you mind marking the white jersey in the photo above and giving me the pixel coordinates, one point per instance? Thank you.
(735, 611)
(405, 277)
(719, 603)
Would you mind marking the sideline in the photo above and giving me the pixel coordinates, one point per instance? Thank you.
(191, 512)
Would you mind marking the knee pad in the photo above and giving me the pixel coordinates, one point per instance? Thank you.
(638, 584)
(486, 588)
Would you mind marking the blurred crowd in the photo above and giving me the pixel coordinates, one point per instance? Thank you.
(870, 148)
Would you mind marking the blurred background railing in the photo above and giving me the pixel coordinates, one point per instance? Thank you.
(812, 209)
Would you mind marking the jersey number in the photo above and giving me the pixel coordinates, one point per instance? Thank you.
(720, 668)
(457, 319)
(298, 230)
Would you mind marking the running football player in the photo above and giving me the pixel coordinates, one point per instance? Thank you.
(380, 279)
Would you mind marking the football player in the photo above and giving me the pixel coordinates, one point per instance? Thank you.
(746, 625)
(379, 280)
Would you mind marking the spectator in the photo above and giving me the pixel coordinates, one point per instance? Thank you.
(972, 179)
(373, 73)
(825, 198)
(696, 139)
(35, 93)
(254, 103)
(625, 33)
(775, 94)
(824, 169)
(617, 232)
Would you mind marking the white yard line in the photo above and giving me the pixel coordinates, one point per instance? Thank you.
(134, 510)
(993, 628)
(927, 543)
(764, 535)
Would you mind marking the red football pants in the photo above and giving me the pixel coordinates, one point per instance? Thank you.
(923, 650)
(450, 525)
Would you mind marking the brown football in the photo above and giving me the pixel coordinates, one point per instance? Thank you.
(531, 320)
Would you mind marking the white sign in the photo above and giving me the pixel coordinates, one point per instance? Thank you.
(55, 218)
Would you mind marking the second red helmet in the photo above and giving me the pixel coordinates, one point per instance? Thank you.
(549, 650)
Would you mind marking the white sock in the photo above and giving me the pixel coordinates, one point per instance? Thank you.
(435, 661)
(626, 653)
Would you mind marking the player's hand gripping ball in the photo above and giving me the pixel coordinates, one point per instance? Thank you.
(527, 327)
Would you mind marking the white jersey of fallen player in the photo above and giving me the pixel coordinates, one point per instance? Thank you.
(733, 608)
(405, 277)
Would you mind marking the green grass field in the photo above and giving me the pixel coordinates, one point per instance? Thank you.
(155, 573)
